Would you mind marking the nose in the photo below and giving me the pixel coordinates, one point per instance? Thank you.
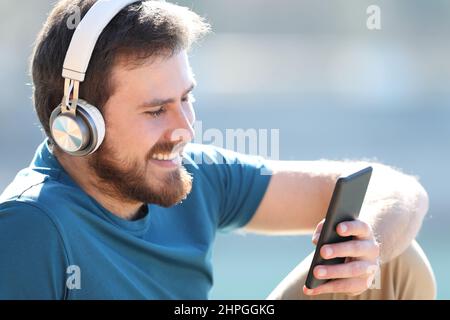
(183, 124)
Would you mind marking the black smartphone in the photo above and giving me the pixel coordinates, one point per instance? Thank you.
(345, 205)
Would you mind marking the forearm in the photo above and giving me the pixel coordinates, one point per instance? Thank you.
(300, 191)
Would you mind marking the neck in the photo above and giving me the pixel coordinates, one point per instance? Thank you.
(84, 176)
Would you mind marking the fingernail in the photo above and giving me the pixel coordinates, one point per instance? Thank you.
(344, 228)
(315, 236)
(321, 272)
(328, 252)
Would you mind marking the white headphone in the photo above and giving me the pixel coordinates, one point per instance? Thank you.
(77, 127)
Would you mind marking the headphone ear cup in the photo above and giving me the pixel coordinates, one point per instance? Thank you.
(71, 133)
(80, 135)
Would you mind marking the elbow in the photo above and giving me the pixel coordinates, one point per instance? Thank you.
(419, 207)
(423, 202)
(408, 188)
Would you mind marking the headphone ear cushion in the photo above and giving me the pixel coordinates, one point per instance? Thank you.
(95, 122)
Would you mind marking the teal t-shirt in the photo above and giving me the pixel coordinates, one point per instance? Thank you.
(57, 242)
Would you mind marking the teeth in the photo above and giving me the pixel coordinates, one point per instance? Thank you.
(166, 157)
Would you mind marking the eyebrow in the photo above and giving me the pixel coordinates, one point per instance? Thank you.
(160, 102)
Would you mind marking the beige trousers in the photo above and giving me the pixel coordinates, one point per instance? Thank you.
(407, 277)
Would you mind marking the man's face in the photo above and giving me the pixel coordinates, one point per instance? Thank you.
(148, 121)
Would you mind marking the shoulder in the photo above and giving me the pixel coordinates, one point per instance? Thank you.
(26, 215)
(26, 219)
(32, 194)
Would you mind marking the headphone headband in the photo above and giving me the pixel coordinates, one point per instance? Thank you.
(77, 127)
(86, 35)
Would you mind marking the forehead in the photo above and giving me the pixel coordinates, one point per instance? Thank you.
(159, 76)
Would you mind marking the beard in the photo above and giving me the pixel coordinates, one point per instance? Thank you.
(133, 181)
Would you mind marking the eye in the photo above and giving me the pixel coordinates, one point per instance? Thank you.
(189, 98)
(157, 112)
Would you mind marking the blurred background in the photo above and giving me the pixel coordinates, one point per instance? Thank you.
(309, 68)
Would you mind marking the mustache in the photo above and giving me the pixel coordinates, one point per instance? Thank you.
(165, 147)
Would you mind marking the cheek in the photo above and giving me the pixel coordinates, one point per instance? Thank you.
(134, 136)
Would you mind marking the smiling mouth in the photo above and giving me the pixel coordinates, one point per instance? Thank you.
(166, 156)
(172, 158)
(167, 161)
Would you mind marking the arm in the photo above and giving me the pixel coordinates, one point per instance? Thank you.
(299, 193)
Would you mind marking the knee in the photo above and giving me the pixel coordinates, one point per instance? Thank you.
(411, 274)
(291, 286)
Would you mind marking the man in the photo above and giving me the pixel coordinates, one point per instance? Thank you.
(137, 218)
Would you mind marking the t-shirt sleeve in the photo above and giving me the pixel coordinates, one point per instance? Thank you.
(239, 181)
(32, 255)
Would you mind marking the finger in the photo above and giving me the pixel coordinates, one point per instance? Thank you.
(315, 239)
(352, 269)
(368, 249)
(353, 286)
(357, 228)
(316, 234)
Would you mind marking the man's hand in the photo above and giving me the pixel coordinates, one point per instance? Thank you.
(357, 273)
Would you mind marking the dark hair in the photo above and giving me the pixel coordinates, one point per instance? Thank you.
(141, 30)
